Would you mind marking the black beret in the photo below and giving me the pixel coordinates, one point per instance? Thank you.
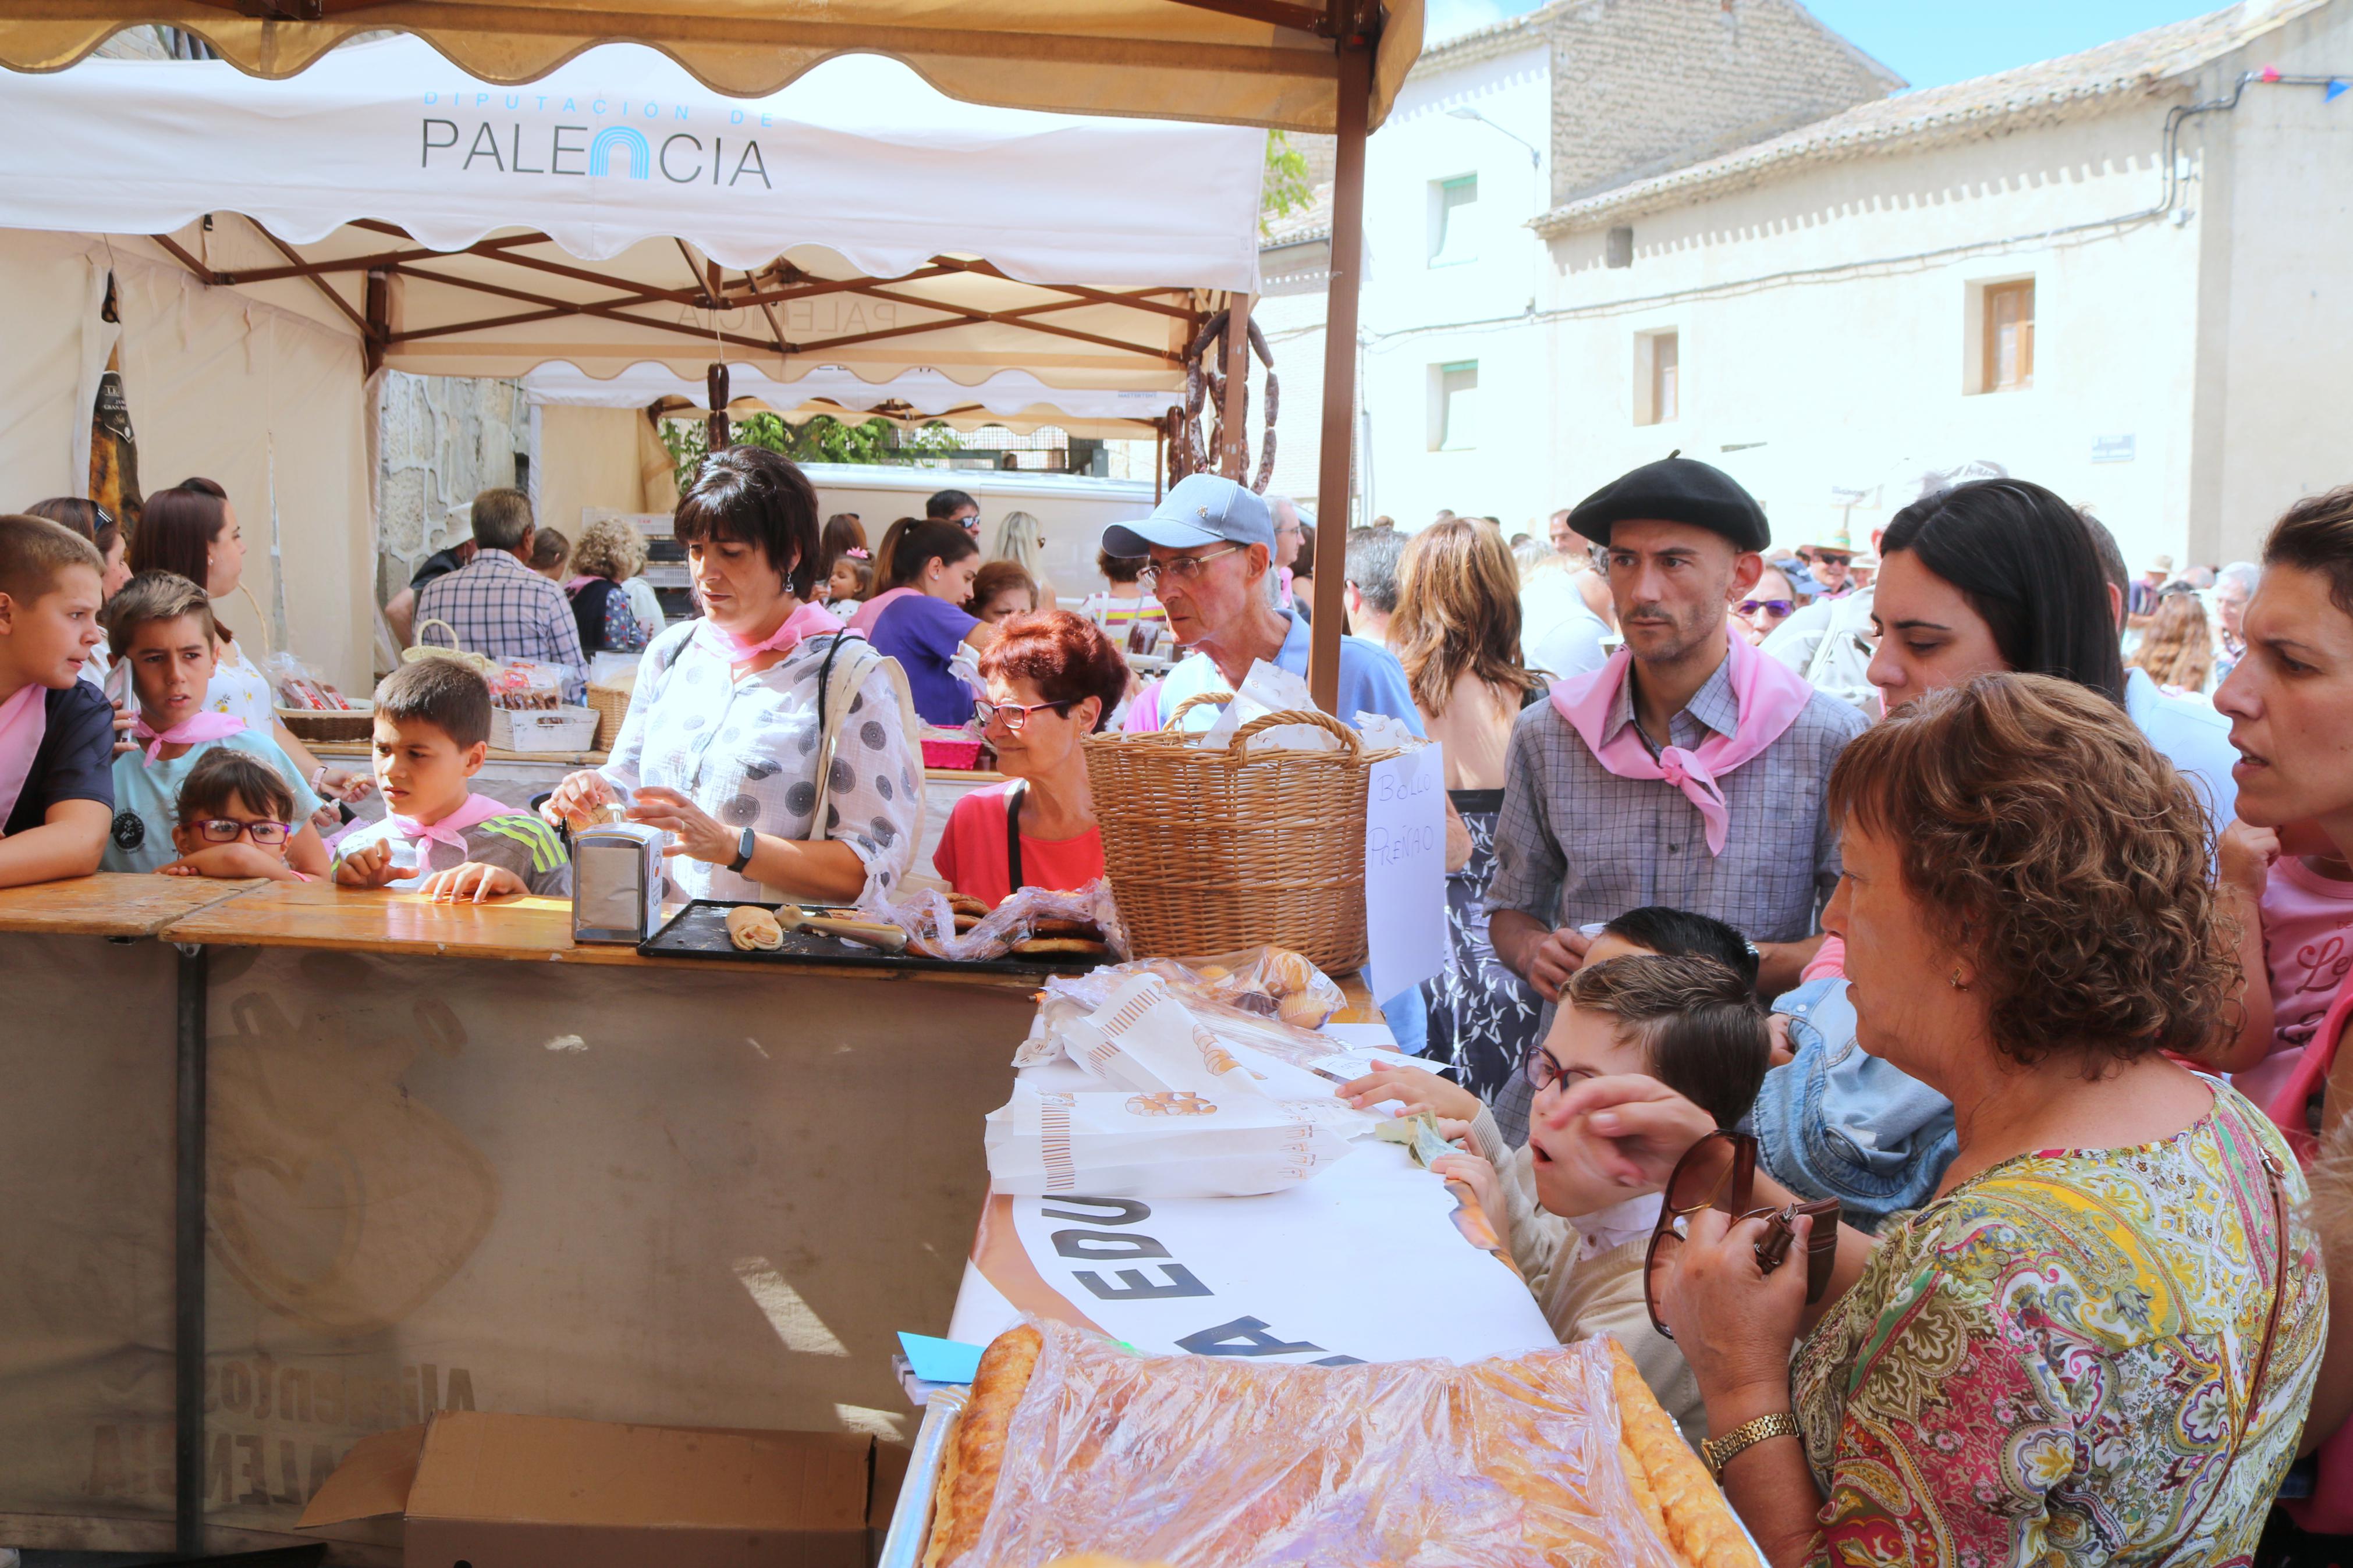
(1675, 490)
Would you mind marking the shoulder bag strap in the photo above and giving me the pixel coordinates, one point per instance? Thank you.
(828, 735)
(2262, 1355)
(1013, 794)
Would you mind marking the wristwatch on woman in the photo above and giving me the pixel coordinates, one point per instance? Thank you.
(1720, 1451)
(744, 851)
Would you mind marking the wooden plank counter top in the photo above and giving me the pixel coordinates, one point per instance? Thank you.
(317, 915)
(112, 903)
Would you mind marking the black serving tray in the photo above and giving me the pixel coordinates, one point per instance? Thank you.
(700, 930)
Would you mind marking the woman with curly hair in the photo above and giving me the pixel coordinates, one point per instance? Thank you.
(608, 554)
(2097, 1340)
(2177, 648)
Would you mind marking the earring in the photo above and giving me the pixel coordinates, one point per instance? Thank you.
(1957, 983)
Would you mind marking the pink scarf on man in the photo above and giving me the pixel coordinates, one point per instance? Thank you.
(451, 829)
(193, 731)
(1769, 695)
(809, 620)
(23, 721)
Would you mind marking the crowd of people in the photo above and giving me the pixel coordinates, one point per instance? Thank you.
(1898, 992)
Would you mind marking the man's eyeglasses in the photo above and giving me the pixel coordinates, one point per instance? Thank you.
(1778, 606)
(1015, 714)
(1183, 569)
(221, 830)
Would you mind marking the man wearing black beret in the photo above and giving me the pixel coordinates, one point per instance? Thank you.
(1689, 771)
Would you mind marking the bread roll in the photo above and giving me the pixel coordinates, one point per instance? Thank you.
(753, 930)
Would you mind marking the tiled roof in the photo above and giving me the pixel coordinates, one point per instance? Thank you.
(2090, 82)
(1308, 225)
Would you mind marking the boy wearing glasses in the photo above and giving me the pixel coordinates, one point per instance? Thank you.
(161, 626)
(1684, 1018)
(235, 819)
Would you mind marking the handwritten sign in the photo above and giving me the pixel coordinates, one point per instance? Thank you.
(1405, 871)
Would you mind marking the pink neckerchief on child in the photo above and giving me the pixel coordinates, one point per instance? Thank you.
(450, 829)
(24, 719)
(809, 620)
(1768, 694)
(193, 731)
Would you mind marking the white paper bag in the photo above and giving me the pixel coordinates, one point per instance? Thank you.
(1270, 689)
(1167, 1143)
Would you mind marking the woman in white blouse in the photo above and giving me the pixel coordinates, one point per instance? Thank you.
(771, 744)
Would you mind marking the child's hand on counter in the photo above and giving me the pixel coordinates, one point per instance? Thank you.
(370, 866)
(1420, 1090)
(1479, 1176)
(472, 883)
(231, 861)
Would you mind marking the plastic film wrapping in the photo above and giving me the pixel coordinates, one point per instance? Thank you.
(1206, 1462)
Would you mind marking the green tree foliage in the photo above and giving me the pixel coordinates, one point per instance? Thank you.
(820, 438)
(1287, 188)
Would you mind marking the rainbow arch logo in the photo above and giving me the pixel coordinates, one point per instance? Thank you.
(633, 145)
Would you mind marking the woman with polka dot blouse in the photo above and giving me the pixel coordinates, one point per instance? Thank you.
(722, 741)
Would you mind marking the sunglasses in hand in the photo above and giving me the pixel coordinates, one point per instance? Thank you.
(1719, 1172)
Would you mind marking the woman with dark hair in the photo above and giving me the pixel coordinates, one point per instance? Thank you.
(192, 530)
(1054, 677)
(2097, 1340)
(923, 629)
(2000, 575)
(774, 745)
(887, 588)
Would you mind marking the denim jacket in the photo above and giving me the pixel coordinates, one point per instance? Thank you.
(1838, 1122)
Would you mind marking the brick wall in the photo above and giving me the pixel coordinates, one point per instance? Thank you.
(1644, 86)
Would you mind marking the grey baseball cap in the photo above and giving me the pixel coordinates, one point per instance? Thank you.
(1200, 509)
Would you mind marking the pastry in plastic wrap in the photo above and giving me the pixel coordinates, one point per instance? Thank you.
(1558, 1458)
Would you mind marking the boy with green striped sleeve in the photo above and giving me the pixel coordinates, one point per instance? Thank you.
(438, 837)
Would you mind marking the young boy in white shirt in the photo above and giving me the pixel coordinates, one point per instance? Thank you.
(432, 732)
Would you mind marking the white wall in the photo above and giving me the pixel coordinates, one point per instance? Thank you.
(1823, 322)
(1414, 314)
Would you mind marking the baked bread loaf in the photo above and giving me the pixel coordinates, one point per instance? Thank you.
(753, 930)
(1070, 1444)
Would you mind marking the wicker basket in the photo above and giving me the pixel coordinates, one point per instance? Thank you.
(322, 724)
(612, 705)
(1209, 852)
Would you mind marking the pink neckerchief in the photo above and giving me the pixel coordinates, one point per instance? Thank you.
(193, 731)
(809, 620)
(573, 585)
(24, 719)
(450, 829)
(1768, 693)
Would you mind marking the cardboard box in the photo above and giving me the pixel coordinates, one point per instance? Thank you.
(495, 1490)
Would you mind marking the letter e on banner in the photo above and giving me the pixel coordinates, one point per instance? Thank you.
(1405, 871)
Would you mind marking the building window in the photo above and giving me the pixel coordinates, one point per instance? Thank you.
(1452, 221)
(1658, 378)
(2009, 361)
(1454, 406)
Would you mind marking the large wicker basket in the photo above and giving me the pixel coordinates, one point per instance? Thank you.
(1209, 852)
(612, 706)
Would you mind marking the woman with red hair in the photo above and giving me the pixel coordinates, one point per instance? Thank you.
(1054, 677)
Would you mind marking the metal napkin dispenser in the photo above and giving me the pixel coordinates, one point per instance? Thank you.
(616, 882)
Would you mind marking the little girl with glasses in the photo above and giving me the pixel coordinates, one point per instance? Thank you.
(236, 818)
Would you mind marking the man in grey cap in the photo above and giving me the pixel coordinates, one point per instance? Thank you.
(1212, 544)
(1689, 771)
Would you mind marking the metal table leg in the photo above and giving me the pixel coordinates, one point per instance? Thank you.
(188, 1261)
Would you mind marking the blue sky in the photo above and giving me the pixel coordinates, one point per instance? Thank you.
(1929, 42)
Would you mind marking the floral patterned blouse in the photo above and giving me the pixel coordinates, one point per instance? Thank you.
(2049, 1363)
(745, 751)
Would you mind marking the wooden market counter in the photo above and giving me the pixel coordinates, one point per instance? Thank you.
(359, 1157)
(287, 1164)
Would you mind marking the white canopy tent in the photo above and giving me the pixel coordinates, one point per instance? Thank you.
(868, 243)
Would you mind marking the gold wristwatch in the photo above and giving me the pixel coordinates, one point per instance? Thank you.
(1718, 1452)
